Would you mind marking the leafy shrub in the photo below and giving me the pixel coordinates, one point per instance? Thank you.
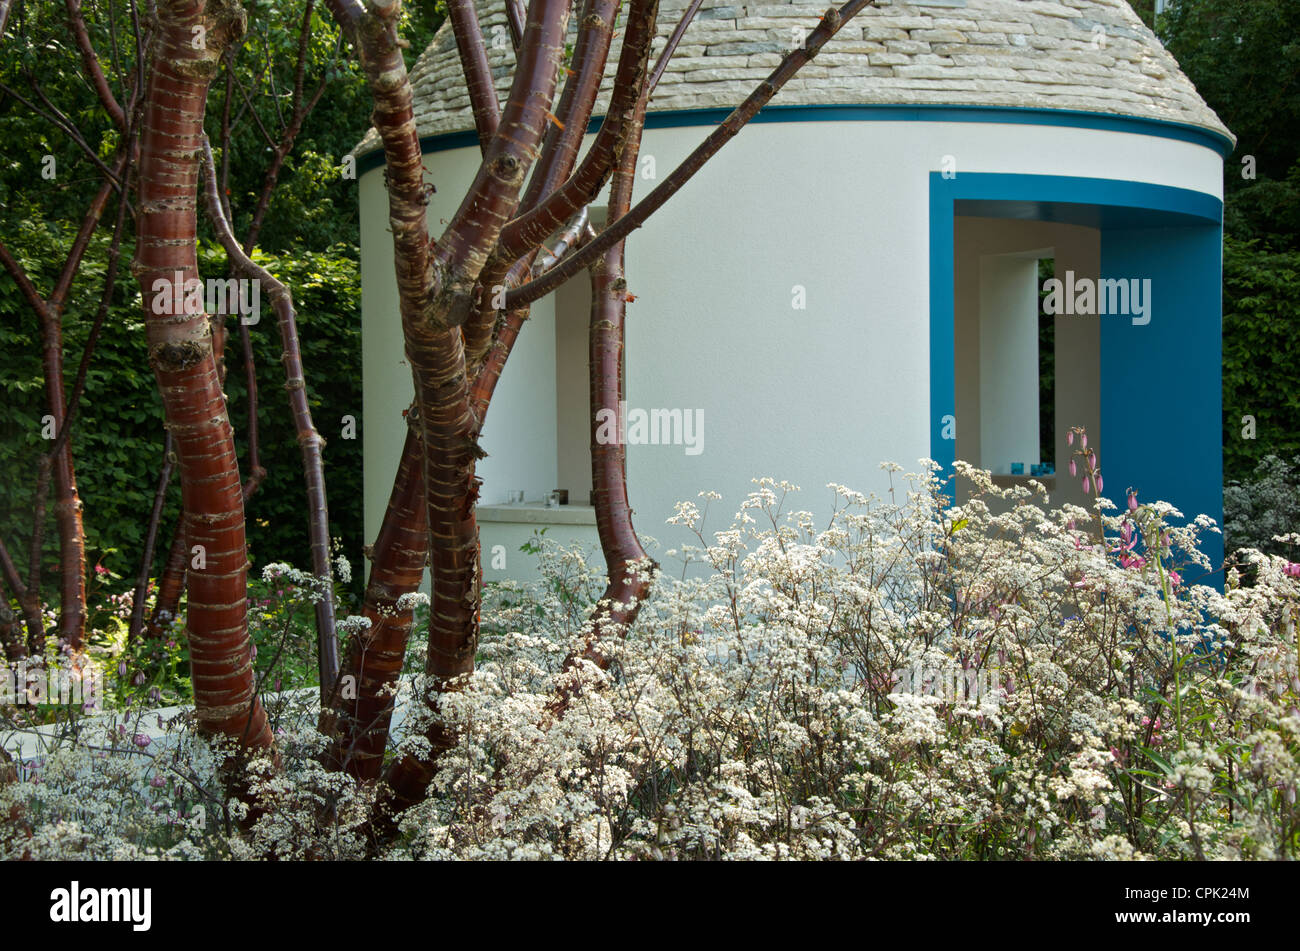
(1266, 506)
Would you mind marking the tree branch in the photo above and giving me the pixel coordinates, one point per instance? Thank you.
(150, 540)
(671, 47)
(90, 62)
(526, 232)
(474, 64)
(617, 230)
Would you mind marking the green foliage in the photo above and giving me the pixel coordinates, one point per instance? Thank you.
(1261, 308)
(310, 233)
(117, 435)
(1244, 57)
(326, 289)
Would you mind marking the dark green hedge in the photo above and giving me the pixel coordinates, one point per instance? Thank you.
(1261, 355)
(118, 435)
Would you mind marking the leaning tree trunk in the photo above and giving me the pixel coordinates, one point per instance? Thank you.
(448, 425)
(625, 560)
(190, 40)
(363, 697)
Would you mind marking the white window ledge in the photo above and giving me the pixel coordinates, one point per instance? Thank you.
(1007, 481)
(536, 513)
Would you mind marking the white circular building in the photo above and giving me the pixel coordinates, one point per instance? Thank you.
(856, 277)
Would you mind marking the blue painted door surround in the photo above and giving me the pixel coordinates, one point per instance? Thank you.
(1161, 382)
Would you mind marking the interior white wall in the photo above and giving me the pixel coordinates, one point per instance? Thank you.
(1078, 341)
(815, 395)
(572, 391)
(519, 433)
(1009, 363)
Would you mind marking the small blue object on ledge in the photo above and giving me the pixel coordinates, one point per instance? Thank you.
(1017, 468)
(1043, 469)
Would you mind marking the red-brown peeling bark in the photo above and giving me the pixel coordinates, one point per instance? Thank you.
(448, 426)
(625, 559)
(559, 153)
(458, 339)
(28, 602)
(58, 463)
(474, 64)
(493, 196)
(181, 354)
(171, 583)
(362, 701)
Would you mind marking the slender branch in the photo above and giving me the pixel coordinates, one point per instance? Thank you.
(53, 114)
(494, 195)
(171, 584)
(150, 540)
(304, 45)
(256, 471)
(617, 230)
(515, 18)
(227, 62)
(559, 153)
(28, 601)
(309, 440)
(662, 63)
(96, 327)
(577, 101)
(625, 559)
(25, 285)
(90, 62)
(574, 235)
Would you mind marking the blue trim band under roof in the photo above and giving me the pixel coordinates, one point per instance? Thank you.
(884, 112)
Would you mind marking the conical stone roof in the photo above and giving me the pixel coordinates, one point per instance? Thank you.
(1081, 55)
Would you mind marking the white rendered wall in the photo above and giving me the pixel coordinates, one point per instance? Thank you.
(815, 395)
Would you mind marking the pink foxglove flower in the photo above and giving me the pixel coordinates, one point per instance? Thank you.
(1087, 486)
(1099, 483)
(1069, 438)
(1074, 469)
